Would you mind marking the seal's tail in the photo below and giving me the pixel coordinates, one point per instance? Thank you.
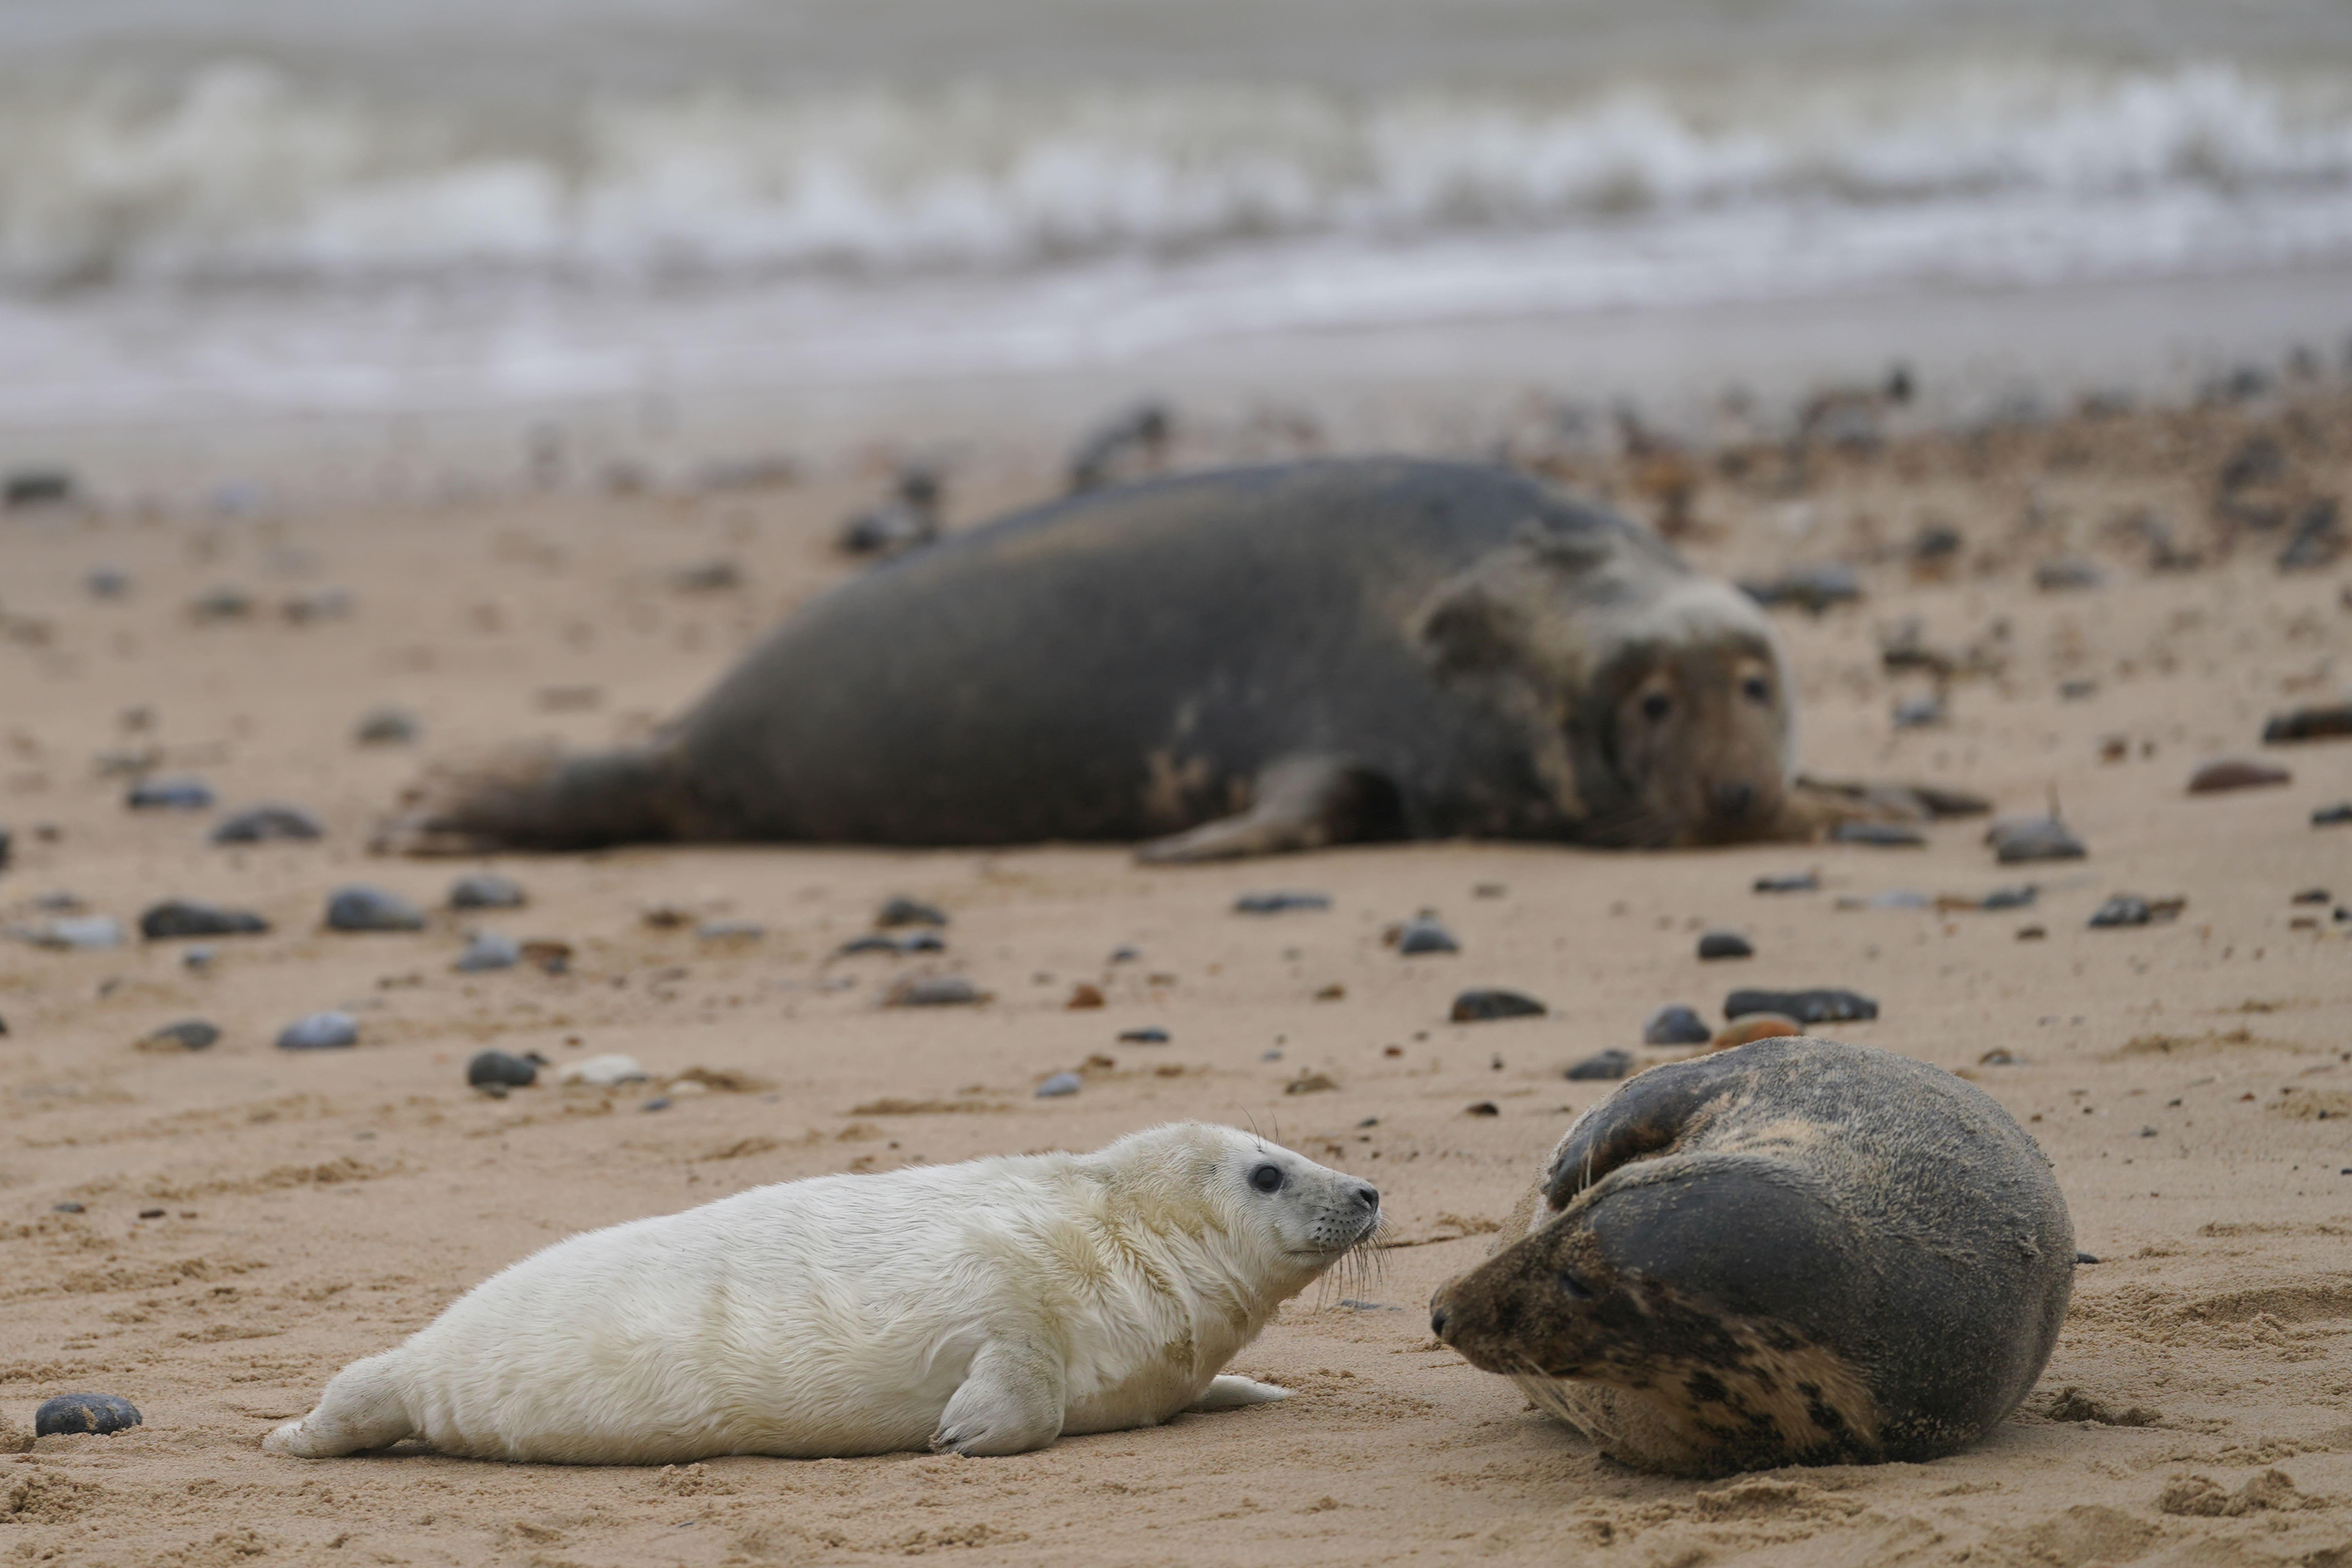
(362, 1409)
(538, 798)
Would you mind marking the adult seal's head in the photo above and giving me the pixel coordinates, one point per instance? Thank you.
(1795, 1252)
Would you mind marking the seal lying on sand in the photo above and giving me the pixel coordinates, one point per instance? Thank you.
(1795, 1252)
(985, 1308)
(1228, 664)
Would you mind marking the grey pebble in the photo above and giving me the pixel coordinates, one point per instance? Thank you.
(1425, 933)
(320, 1032)
(2084, 1257)
(169, 794)
(731, 930)
(69, 1206)
(1725, 944)
(1819, 1006)
(185, 917)
(484, 890)
(106, 582)
(226, 603)
(189, 1034)
(1810, 588)
(1125, 954)
(2123, 909)
(502, 1067)
(1675, 1025)
(1919, 712)
(1608, 1064)
(360, 907)
(80, 932)
(1147, 1036)
(885, 941)
(1877, 834)
(2019, 897)
(2332, 815)
(84, 1413)
(1790, 883)
(2031, 839)
(197, 959)
(1277, 903)
(658, 1102)
(269, 823)
(2066, 575)
(934, 990)
(1488, 1003)
(1061, 1083)
(386, 726)
(901, 911)
(487, 950)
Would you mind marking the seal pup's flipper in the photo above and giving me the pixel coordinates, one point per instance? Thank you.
(1010, 1401)
(362, 1409)
(1228, 1392)
(1297, 802)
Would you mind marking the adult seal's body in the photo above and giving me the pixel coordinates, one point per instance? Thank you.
(983, 1307)
(1226, 664)
(1795, 1252)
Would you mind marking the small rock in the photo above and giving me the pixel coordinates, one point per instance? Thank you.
(708, 577)
(1134, 438)
(484, 890)
(1754, 1026)
(1877, 834)
(902, 911)
(890, 526)
(1997, 1058)
(106, 582)
(658, 1102)
(323, 604)
(2013, 898)
(2321, 722)
(1483, 1108)
(2068, 574)
(1278, 902)
(26, 487)
(2131, 909)
(1820, 1005)
(2084, 1257)
(905, 942)
(274, 822)
(1889, 898)
(184, 917)
(2214, 778)
(1144, 1037)
(1675, 1025)
(386, 726)
(2317, 539)
(1608, 1064)
(84, 1413)
(1425, 933)
(1083, 996)
(487, 950)
(2334, 815)
(731, 930)
(549, 957)
(1124, 953)
(69, 1206)
(1790, 883)
(2310, 896)
(1810, 588)
(604, 1071)
(500, 1068)
(1059, 1084)
(169, 794)
(1310, 1083)
(2029, 838)
(362, 908)
(8, 844)
(226, 603)
(77, 932)
(2077, 690)
(1481, 1006)
(187, 1034)
(1725, 944)
(197, 960)
(320, 1032)
(1919, 712)
(2032, 933)
(934, 990)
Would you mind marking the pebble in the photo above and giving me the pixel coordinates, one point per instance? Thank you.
(502, 1067)
(934, 990)
(1481, 1108)
(169, 794)
(106, 582)
(2310, 896)
(1125, 953)
(84, 1413)
(360, 907)
(1611, 1063)
(892, 526)
(2013, 898)
(2323, 721)
(226, 603)
(1790, 883)
(1919, 712)
(1820, 1005)
(2029, 838)
(320, 1032)
(714, 576)
(1480, 1005)
(187, 1034)
(2332, 815)
(1144, 1037)
(1725, 944)
(1675, 1025)
(2077, 690)
(658, 1102)
(1275, 903)
(2131, 909)
(1809, 588)
(2067, 574)
(36, 487)
(1425, 933)
(1310, 1083)
(1999, 1057)
(386, 726)
(2214, 778)
(731, 930)
(197, 959)
(7, 842)
(78, 932)
(323, 604)
(69, 1206)
(184, 917)
(1891, 899)
(1754, 1026)
(1059, 1084)
(483, 890)
(1084, 996)
(272, 822)
(487, 950)
(604, 1071)
(1877, 834)
(902, 911)
(882, 942)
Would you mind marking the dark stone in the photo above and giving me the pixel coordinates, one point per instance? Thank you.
(658, 1102)
(386, 726)
(1790, 883)
(935, 991)
(2084, 1257)
(1608, 1064)
(1919, 712)
(1725, 944)
(1144, 1037)
(2033, 838)
(1425, 933)
(1125, 954)
(905, 911)
(269, 823)
(226, 603)
(1277, 903)
(483, 890)
(188, 1034)
(884, 941)
(2070, 575)
(84, 1413)
(2259, 461)
(2320, 722)
(1057, 1085)
(1820, 1005)
(1810, 588)
(2318, 540)
(708, 577)
(2015, 897)
(1675, 1025)
(184, 917)
(362, 908)
(2310, 896)
(2216, 778)
(1477, 1006)
(2123, 909)
(320, 1032)
(500, 1068)
(38, 487)
(2332, 815)
(1484, 1107)
(169, 794)
(488, 950)
(893, 525)
(1877, 834)
(8, 845)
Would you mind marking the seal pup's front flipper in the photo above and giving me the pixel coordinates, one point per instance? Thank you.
(1297, 802)
(1228, 1392)
(1010, 1401)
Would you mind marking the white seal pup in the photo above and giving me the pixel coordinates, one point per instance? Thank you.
(981, 1308)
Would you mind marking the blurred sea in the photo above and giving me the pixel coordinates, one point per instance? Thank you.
(363, 205)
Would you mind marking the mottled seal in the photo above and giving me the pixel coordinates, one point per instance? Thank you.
(1793, 1252)
(983, 1307)
(1228, 664)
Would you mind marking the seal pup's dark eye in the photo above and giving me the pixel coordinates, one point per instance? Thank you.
(1656, 706)
(1267, 1178)
(1757, 690)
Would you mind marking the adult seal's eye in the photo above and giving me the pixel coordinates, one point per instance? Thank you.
(1757, 690)
(1267, 1178)
(1574, 1286)
(1656, 706)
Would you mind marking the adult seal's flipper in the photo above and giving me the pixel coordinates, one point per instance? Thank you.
(1298, 803)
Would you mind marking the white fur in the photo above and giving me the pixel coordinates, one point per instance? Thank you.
(986, 1307)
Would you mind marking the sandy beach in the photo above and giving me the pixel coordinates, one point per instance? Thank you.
(212, 1233)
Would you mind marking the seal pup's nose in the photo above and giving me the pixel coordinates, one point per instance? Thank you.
(1736, 798)
(1437, 1321)
(1369, 1197)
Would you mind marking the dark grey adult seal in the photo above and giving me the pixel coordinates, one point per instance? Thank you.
(1795, 1252)
(1226, 663)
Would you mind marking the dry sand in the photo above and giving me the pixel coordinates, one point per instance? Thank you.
(316, 1207)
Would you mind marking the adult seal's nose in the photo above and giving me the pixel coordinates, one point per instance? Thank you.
(1437, 1320)
(1735, 799)
(1369, 1197)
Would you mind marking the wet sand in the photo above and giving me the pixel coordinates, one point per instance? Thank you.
(2188, 1079)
